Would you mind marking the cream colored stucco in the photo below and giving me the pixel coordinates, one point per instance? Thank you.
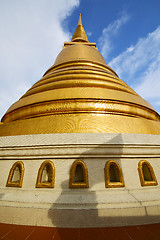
(95, 206)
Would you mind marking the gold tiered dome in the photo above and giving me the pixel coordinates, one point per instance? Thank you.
(80, 93)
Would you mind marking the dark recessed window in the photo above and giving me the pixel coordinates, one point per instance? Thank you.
(78, 175)
(46, 175)
(113, 175)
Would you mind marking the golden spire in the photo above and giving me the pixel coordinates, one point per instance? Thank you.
(80, 20)
(79, 35)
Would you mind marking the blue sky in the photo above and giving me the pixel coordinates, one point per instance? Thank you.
(32, 33)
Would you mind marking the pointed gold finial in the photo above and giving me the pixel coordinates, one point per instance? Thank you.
(80, 20)
(79, 35)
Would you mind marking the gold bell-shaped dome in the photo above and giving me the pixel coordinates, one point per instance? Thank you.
(80, 93)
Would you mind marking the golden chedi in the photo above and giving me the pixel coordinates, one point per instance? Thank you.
(80, 93)
(80, 155)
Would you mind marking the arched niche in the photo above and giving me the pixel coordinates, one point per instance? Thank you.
(146, 174)
(15, 177)
(113, 175)
(46, 175)
(78, 175)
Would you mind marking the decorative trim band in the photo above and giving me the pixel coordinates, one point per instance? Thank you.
(78, 106)
(80, 63)
(79, 81)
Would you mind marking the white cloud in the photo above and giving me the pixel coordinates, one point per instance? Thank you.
(109, 32)
(139, 66)
(89, 34)
(31, 37)
(149, 86)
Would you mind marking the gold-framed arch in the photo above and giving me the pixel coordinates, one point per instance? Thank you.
(46, 175)
(82, 182)
(113, 175)
(146, 174)
(16, 174)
